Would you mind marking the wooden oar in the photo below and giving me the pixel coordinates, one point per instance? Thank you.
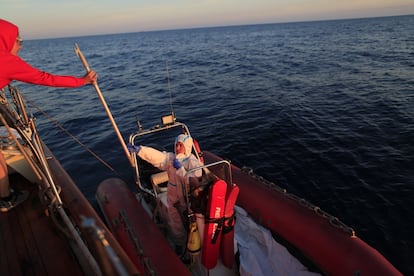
(108, 112)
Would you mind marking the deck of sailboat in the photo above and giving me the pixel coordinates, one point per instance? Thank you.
(30, 242)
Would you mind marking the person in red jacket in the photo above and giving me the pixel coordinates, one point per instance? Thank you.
(12, 67)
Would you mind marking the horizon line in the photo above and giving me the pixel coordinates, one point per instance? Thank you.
(222, 26)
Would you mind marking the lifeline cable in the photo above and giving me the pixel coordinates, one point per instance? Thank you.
(56, 123)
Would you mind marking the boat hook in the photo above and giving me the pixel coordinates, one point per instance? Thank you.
(108, 112)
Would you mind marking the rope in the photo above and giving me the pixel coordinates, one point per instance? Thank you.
(57, 124)
(334, 221)
(220, 223)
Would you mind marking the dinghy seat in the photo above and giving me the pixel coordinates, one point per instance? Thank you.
(159, 182)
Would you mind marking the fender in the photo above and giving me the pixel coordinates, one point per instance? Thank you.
(213, 224)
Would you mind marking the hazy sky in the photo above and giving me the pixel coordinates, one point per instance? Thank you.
(58, 18)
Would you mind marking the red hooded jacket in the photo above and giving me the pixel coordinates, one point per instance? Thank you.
(14, 68)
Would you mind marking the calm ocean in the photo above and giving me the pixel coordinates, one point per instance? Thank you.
(323, 109)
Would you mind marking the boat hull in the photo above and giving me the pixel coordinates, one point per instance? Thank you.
(32, 228)
(140, 237)
(329, 245)
(76, 203)
(331, 248)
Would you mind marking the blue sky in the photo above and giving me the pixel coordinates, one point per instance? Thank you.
(58, 18)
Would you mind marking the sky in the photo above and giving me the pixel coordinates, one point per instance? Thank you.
(59, 18)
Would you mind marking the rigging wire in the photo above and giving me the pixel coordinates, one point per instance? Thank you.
(57, 124)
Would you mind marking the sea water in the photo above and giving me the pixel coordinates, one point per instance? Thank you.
(324, 109)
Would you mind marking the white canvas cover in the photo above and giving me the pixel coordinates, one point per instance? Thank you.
(260, 254)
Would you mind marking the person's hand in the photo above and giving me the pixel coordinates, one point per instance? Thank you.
(133, 148)
(90, 77)
(176, 164)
